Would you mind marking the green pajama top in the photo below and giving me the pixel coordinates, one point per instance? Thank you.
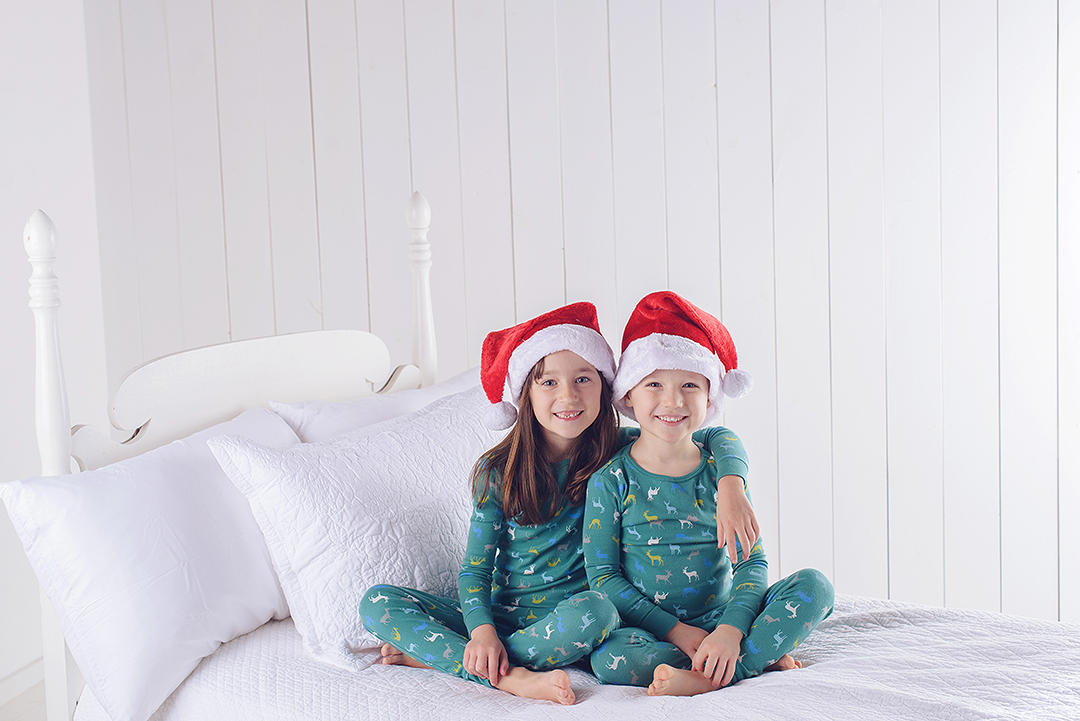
(510, 566)
(650, 543)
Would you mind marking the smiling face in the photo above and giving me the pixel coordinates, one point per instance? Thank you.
(565, 399)
(670, 404)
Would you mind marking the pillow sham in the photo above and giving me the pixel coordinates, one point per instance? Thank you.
(315, 421)
(389, 503)
(151, 563)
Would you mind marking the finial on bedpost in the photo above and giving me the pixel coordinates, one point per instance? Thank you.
(51, 405)
(418, 218)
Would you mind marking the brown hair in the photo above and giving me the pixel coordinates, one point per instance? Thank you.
(528, 490)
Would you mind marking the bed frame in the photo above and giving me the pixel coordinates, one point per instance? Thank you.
(176, 395)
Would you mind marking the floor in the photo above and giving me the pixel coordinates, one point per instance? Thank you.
(30, 706)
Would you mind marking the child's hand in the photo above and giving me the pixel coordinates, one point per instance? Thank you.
(735, 519)
(717, 654)
(485, 655)
(688, 638)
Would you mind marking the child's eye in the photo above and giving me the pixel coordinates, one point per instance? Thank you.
(547, 382)
(690, 384)
(583, 379)
(652, 384)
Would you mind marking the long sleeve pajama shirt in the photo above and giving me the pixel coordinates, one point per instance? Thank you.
(528, 581)
(651, 546)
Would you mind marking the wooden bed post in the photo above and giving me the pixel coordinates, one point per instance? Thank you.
(63, 681)
(418, 218)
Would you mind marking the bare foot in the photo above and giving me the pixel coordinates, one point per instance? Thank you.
(671, 681)
(392, 657)
(543, 685)
(784, 663)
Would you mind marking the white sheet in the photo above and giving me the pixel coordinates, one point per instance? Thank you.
(871, 659)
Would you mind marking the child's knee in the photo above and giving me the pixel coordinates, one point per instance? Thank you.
(600, 607)
(812, 585)
(372, 597)
(820, 585)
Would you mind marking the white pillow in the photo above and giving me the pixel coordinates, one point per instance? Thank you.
(389, 503)
(151, 563)
(316, 421)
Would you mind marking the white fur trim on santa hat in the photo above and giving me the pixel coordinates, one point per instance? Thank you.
(660, 351)
(578, 339)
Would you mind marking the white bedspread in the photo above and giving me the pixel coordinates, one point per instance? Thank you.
(872, 659)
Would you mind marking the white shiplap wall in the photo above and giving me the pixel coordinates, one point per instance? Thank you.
(879, 198)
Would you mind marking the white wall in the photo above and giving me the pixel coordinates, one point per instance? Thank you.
(877, 197)
(45, 162)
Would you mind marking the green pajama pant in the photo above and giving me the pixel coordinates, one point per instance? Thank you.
(790, 610)
(431, 628)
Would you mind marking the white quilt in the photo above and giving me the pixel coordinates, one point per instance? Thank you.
(871, 659)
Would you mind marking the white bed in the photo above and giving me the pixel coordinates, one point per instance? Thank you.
(871, 659)
(318, 489)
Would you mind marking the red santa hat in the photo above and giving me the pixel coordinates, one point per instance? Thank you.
(668, 332)
(508, 355)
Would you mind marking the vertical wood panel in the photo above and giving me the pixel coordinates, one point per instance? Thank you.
(429, 42)
(824, 123)
(913, 299)
(1027, 64)
(384, 125)
(112, 176)
(969, 343)
(856, 302)
(204, 300)
(585, 135)
(153, 176)
(339, 176)
(1069, 306)
(242, 124)
(744, 132)
(637, 137)
(290, 168)
(480, 47)
(800, 202)
(690, 155)
(535, 161)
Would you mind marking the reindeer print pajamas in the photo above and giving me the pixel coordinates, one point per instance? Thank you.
(527, 581)
(651, 546)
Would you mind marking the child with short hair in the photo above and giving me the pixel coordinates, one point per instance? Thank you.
(695, 621)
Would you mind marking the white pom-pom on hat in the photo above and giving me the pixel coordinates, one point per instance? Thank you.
(500, 416)
(737, 383)
(508, 355)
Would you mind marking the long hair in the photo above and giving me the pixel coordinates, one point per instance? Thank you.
(520, 464)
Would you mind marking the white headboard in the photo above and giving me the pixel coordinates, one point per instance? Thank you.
(174, 396)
